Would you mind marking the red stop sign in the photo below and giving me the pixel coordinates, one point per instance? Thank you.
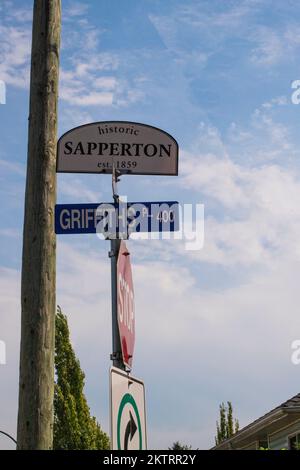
(126, 315)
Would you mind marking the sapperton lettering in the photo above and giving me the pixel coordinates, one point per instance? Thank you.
(117, 149)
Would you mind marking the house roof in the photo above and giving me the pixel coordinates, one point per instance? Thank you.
(290, 405)
(294, 401)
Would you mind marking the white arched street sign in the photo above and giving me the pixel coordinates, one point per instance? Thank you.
(132, 148)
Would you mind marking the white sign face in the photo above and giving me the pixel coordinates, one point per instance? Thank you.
(133, 148)
(127, 412)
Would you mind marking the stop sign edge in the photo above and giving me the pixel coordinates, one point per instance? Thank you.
(129, 337)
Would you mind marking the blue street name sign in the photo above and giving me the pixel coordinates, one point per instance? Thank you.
(123, 218)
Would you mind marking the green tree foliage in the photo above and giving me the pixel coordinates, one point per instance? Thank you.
(227, 426)
(178, 446)
(74, 427)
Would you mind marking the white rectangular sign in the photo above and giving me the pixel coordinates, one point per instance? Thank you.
(127, 412)
(133, 148)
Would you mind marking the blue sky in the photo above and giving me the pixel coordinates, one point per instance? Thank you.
(217, 76)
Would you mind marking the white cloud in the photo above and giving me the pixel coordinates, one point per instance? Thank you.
(269, 49)
(15, 39)
(13, 14)
(277, 101)
(10, 167)
(81, 84)
(268, 46)
(109, 83)
(76, 9)
(89, 99)
(14, 55)
(9, 232)
(237, 15)
(249, 234)
(292, 35)
(73, 117)
(73, 188)
(277, 139)
(206, 22)
(126, 96)
(258, 200)
(275, 46)
(87, 83)
(216, 177)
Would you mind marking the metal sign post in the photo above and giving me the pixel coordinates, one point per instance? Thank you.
(116, 355)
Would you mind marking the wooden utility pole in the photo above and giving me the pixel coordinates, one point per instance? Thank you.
(36, 386)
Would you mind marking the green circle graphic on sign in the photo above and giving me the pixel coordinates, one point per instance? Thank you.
(128, 399)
